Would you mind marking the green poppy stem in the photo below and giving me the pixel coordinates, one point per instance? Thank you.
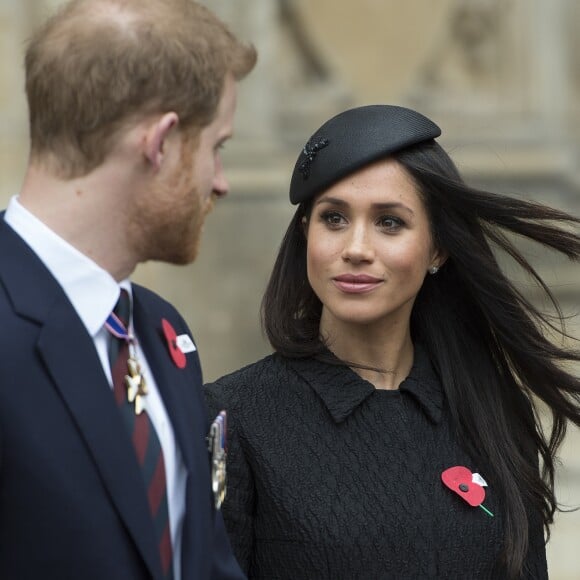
(485, 510)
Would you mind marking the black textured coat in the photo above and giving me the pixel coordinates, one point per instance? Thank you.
(332, 479)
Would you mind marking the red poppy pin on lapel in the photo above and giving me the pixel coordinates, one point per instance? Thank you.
(467, 485)
(177, 354)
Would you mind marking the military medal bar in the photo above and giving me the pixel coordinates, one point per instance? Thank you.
(134, 379)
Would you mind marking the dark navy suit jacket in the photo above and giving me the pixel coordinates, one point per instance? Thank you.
(72, 501)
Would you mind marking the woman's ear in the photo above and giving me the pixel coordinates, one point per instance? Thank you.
(304, 224)
(438, 259)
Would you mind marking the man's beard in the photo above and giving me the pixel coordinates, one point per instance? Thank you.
(167, 227)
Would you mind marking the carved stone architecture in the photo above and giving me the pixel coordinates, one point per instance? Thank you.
(502, 77)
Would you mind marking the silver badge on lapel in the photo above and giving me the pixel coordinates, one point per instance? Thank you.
(217, 447)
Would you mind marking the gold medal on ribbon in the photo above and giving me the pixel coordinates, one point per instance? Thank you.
(136, 384)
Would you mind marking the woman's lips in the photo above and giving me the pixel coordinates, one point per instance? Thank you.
(356, 283)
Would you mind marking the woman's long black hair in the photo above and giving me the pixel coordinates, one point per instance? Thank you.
(489, 344)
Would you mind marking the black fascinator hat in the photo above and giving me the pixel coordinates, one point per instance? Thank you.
(353, 139)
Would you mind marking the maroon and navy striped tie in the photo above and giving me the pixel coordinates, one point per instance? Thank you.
(144, 437)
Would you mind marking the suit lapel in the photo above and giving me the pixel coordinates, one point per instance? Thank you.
(170, 380)
(80, 380)
(84, 389)
(188, 420)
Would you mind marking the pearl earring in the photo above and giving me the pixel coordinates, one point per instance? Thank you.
(433, 269)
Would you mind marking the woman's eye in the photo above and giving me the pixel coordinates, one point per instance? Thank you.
(389, 222)
(332, 218)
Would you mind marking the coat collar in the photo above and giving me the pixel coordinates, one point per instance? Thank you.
(342, 390)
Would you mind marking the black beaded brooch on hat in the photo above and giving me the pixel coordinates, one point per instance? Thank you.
(310, 150)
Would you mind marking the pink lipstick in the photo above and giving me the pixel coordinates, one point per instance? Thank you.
(356, 283)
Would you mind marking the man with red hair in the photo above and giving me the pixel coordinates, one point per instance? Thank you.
(104, 466)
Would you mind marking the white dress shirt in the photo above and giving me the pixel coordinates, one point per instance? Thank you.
(93, 292)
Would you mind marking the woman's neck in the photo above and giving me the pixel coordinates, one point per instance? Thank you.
(388, 351)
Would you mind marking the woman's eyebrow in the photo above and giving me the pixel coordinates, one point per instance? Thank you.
(377, 206)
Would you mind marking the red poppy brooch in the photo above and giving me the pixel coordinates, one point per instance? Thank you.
(467, 485)
(178, 346)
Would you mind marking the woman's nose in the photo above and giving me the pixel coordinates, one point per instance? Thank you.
(358, 246)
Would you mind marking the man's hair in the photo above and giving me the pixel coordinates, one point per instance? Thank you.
(97, 65)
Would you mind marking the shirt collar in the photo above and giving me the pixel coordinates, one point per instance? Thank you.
(92, 291)
(342, 390)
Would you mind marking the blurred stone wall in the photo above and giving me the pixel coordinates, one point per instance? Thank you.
(502, 78)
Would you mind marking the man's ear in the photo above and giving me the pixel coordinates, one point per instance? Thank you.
(156, 137)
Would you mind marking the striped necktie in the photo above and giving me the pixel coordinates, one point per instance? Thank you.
(142, 432)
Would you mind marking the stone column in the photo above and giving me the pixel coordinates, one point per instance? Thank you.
(14, 28)
(256, 22)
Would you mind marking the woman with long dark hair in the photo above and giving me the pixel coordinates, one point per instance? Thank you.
(395, 431)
